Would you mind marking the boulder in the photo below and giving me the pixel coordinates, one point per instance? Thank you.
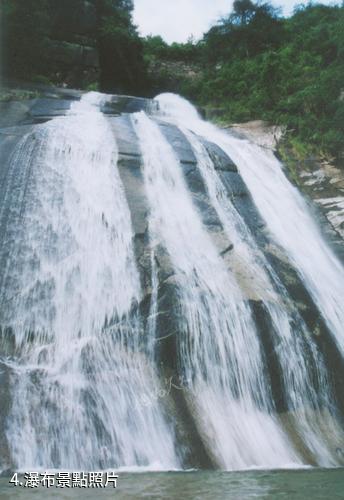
(45, 109)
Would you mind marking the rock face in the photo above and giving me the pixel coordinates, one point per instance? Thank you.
(19, 117)
(320, 180)
(260, 133)
(324, 183)
(72, 45)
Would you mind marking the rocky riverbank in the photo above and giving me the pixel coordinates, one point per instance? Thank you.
(318, 177)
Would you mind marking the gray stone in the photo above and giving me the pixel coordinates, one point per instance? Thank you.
(129, 163)
(14, 112)
(46, 109)
(126, 138)
(193, 178)
(207, 212)
(220, 159)
(136, 197)
(233, 183)
(164, 264)
(179, 143)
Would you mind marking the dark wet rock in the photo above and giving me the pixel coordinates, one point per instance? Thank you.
(129, 161)
(126, 138)
(19, 111)
(129, 167)
(14, 112)
(220, 159)
(45, 109)
(272, 366)
(169, 315)
(321, 336)
(167, 325)
(164, 265)
(194, 452)
(248, 211)
(234, 184)
(136, 197)
(193, 178)
(117, 104)
(206, 211)
(179, 143)
(189, 170)
(334, 362)
(227, 249)
(192, 175)
(307, 310)
(144, 265)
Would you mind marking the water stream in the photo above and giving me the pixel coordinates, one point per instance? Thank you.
(219, 350)
(79, 367)
(79, 352)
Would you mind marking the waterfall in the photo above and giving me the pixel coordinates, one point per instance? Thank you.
(82, 383)
(105, 240)
(284, 210)
(219, 351)
(306, 384)
(291, 338)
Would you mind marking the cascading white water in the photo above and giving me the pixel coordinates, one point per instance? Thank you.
(84, 389)
(80, 373)
(219, 351)
(292, 341)
(305, 384)
(284, 211)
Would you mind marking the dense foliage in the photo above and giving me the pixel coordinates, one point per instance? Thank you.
(255, 64)
(24, 30)
(28, 25)
(120, 48)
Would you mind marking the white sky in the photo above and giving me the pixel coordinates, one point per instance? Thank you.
(176, 20)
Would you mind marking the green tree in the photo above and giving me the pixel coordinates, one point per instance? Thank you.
(25, 26)
(289, 71)
(120, 48)
(250, 29)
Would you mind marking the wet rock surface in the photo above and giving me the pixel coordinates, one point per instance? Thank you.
(17, 118)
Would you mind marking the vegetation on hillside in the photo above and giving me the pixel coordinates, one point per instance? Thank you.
(26, 28)
(120, 48)
(255, 64)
